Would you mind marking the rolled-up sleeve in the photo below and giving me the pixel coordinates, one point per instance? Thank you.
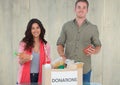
(62, 38)
(95, 38)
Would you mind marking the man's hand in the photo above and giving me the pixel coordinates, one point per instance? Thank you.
(60, 50)
(64, 58)
(91, 50)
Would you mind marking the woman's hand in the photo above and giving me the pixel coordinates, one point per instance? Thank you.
(23, 57)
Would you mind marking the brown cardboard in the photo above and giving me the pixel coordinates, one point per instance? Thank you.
(46, 79)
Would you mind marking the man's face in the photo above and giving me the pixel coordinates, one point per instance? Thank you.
(81, 9)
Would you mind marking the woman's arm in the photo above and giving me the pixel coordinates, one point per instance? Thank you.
(47, 51)
(22, 56)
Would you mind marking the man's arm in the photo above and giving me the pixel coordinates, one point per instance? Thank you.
(97, 49)
(60, 50)
(61, 42)
(95, 41)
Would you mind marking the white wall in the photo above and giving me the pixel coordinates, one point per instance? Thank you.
(15, 14)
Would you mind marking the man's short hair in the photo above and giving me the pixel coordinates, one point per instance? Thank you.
(82, 1)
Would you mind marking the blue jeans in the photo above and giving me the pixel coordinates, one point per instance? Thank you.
(34, 77)
(86, 77)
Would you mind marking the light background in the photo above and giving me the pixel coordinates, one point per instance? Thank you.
(15, 14)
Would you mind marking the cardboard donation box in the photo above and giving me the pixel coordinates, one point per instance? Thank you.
(72, 75)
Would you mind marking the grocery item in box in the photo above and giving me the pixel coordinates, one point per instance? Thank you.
(58, 63)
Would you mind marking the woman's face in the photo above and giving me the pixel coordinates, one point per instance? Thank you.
(35, 30)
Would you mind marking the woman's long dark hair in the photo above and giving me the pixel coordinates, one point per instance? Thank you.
(28, 39)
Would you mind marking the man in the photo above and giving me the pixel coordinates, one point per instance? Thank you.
(80, 39)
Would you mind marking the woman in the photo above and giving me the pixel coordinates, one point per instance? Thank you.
(34, 51)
